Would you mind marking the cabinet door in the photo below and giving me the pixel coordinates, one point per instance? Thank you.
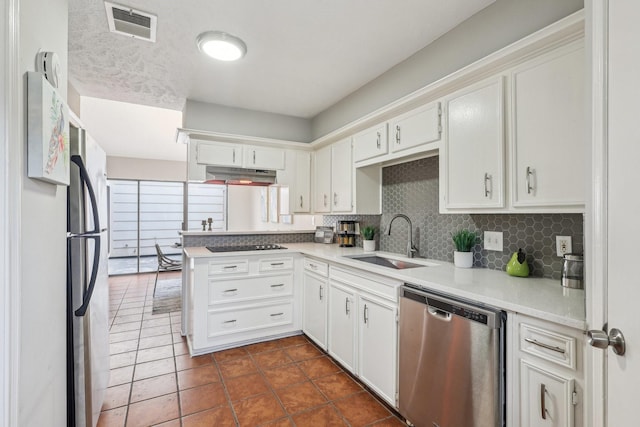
(377, 332)
(545, 398)
(314, 320)
(417, 127)
(549, 130)
(219, 154)
(342, 326)
(341, 176)
(302, 182)
(264, 158)
(370, 143)
(322, 180)
(474, 147)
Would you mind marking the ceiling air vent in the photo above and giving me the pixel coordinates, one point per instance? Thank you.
(131, 22)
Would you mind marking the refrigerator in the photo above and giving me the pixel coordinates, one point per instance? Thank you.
(87, 281)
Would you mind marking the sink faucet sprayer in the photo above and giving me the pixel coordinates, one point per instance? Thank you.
(411, 249)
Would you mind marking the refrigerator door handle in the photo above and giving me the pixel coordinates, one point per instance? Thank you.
(86, 295)
(86, 182)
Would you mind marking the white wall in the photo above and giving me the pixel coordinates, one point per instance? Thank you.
(42, 327)
(145, 169)
(494, 27)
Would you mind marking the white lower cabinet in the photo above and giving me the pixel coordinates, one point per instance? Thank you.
(547, 380)
(315, 291)
(363, 328)
(231, 301)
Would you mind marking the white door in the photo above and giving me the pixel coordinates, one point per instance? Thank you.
(314, 320)
(341, 173)
(623, 289)
(342, 326)
(322, 180)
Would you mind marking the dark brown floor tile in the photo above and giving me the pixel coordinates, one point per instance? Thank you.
(258, 410)
(325, 416)
(154, 353)
(303, 352)
(272, 359)
(123, 346)
(187, 362)
(337, 386)
(113, 417)
(299, 397)
(124, 336)
(237, 367)
(156, 341)
(284, 376)
(246, 386)
(122, 359)
(319, 367)
(284, 422)
(154, 331)
(153, 411)
(116, 396)
(201, 398)
(153, 387)
(361, 409)
(389, 422)
(263, 346)
(198, 376)
(294, 340)
(153, 369)
(226, 355)
(119, 376)
(218, 417)
(180, 348)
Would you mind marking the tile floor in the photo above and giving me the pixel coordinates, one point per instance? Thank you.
(286, 382)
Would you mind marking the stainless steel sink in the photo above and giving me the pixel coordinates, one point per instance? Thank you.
(386, 262)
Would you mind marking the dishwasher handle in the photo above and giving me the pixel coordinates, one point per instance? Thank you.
(441, 314)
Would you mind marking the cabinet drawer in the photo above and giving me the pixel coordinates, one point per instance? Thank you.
(228, 266)
(226, 291)
(552, 346)
(247, 318)
(318, 267)
(275, 264)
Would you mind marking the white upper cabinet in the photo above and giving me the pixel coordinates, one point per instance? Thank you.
(548, 132)
(416, 127)
(473, 154)
(218, 153)
(301, 195)
(341, 176)
(322, 180)
(370, 143)
(264, 158)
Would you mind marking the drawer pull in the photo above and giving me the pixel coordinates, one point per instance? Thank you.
(276, 314)
(226, 322)
(230, 267)
(543, 345)
(279, 285)
(275, 264)
(313, 266)
(228, 291)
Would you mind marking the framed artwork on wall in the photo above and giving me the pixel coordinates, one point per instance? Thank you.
(47, 132)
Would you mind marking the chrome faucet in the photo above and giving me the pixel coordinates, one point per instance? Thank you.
(411, 249)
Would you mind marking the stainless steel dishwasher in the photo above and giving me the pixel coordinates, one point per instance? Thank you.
(451, 358)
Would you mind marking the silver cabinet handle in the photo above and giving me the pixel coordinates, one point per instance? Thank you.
(397, 134)
(378, 140)
(230, 267)
(325, 200)
(487, 178)
(320, 292)
(529, 186)
(254, 157)
(229, 321)
(313, 266)
(300, 201)
(335, 199)
(230, 290)
(276, 264)
(346, 306)
(543, 345)
(276, 314)
(279, 285)
(366, 318)
(543, 409)
(234, 155)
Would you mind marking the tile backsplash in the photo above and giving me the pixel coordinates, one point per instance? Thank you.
(246, 239)
(412, 189)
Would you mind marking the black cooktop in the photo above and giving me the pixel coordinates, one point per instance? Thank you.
(244, 248)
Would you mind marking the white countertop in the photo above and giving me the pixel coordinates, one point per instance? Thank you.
(537, 297)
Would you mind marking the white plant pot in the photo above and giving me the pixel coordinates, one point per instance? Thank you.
(369, 245)
(463, 259)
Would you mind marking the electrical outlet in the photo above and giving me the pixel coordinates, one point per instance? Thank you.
(563, 245)
(493, 240)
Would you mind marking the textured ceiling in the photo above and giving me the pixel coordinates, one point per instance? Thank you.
(303, 55)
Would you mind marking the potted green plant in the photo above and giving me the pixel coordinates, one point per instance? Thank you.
(368, 233)
(464, 241)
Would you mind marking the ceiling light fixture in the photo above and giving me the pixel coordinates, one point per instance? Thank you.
(222, 46)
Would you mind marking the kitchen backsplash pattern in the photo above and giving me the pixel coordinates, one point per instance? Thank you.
(373, 220)
(413, 189)
(246, 239)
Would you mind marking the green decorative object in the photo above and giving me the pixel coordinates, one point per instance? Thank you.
(464, 240)
(368, 232)
(518, 266)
